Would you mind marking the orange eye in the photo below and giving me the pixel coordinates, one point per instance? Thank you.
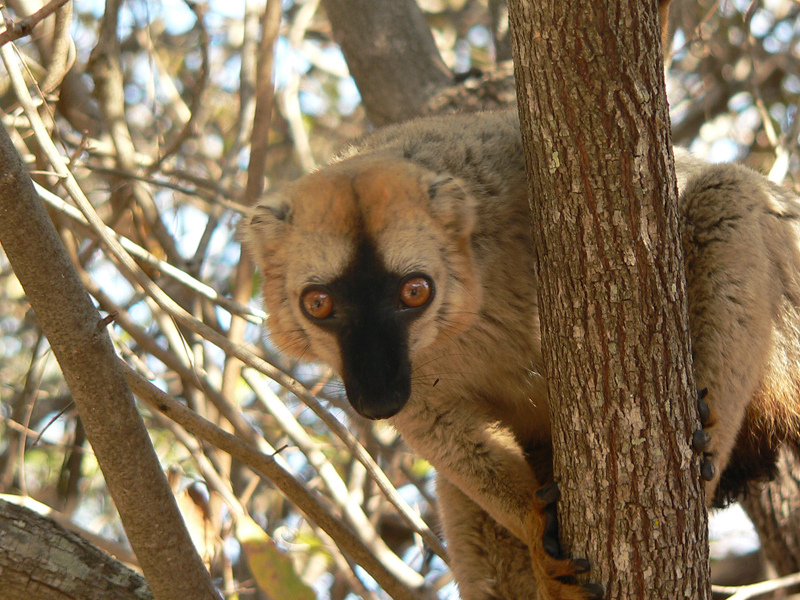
(415, 292)
(318, 304)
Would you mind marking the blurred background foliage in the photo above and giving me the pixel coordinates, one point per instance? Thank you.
(171, 179)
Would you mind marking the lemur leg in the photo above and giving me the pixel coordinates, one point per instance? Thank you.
(488, 561)
(731, 284)
(490, 467)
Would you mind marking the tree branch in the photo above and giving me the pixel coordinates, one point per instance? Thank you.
(87, 359)
(391, 54)
(283, 480)
(17, 29)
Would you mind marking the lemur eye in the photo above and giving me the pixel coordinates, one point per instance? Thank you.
(317, 303)
(416, 292)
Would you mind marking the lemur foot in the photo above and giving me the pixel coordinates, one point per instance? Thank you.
(701, 439)
(555, 573)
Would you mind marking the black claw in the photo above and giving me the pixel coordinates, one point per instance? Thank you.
(702, 393)
(596, 592)
(550, 536)
(701, 440)
(549, 493)
(552, 547)
(581, 565)
(707, 469)
(704, 411)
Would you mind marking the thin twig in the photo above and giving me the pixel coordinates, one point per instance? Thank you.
(253, 315)
(743, 592)
(270, 25)
(316, 458)
(105, 65)
(192, 126)
(269, 468)
(17, 29)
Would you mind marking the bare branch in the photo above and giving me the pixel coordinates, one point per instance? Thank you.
(27, 568)
(391, 54)
(252, 315)
(191, 127)
(105, 66)
(63, 55)
(757, 589)
(319, 461)
(264, 97)
(267, 466)
(120, 551)
(17, 29)
(86, 356)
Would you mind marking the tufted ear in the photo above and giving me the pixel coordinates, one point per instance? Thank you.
(452, 204)
(265, 224)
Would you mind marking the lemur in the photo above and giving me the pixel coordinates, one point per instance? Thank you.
(407, 266)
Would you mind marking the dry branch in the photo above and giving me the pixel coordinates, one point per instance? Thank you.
(87, 359)
(17, 29)
(266, 465)
(259, 140)
(744, 592)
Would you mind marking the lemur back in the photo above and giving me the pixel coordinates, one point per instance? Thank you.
(407, 265)
(740, 239)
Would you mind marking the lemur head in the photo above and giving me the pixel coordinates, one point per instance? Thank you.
(366, 264)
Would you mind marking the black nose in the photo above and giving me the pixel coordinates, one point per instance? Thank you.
(376, 369)
(379, 409)
(377, 405)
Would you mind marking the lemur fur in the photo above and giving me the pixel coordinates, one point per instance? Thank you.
(408, 262)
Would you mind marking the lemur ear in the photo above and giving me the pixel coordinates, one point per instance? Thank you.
(452, 204)
(265, 224)
(268, 209)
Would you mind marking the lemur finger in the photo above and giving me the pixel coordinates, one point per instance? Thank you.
(703, 409)
(701, 440)
(707, 468)
(573, 567)
(581, 565)
(549, 494)
(550, 541)
(559, 571)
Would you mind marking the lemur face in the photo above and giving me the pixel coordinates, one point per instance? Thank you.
(367, 263)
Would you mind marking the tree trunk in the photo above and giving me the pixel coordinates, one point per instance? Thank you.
(391, 54)
(612, 293)
(42, 560)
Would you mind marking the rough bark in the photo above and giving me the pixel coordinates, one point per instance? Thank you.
(86, 356)
(40, 559)
(391, 54)
(773, 510)
(612, 293)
